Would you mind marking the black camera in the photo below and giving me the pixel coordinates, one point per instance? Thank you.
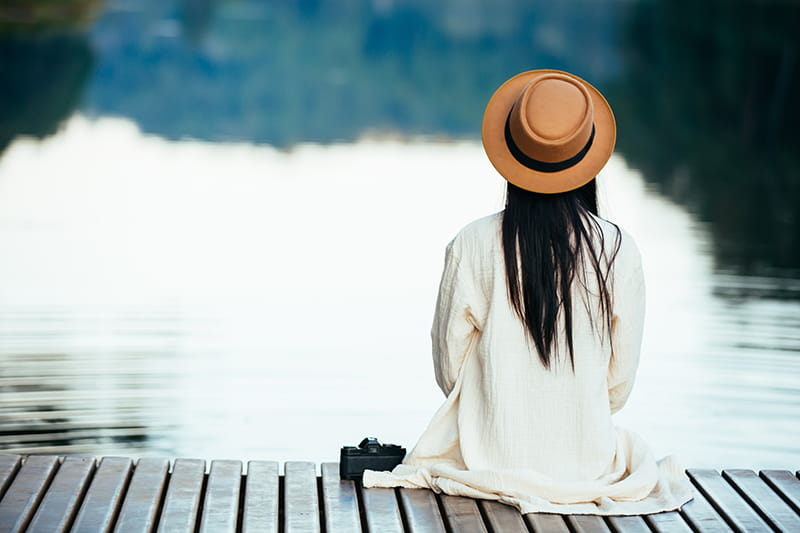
(368, 455)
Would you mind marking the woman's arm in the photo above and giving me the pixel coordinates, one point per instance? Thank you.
(453, 324)
(627, 324)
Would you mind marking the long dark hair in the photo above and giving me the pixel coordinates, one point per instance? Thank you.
(547, 240)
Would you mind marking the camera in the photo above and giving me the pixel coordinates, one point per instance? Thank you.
(368, 455)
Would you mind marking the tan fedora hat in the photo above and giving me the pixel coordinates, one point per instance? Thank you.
(548, 131)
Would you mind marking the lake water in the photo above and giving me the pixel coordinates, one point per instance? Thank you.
(190, 298)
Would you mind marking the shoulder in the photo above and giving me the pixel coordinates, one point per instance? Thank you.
(621, 248)
(618, 243)
(477, 236)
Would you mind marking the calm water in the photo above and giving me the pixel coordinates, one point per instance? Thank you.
(222, 222)
(237, 301)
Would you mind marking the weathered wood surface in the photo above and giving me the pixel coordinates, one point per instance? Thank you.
(81, 494)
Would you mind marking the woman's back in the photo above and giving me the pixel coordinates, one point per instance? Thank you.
(554, 420)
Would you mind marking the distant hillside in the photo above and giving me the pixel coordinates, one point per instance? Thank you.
(281, 73)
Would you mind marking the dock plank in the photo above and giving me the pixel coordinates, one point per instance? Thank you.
(143, 498)
(502, 517)
(669, 522)
(221, 502)
(262, 499)
(628, 524)
(552, 523)
(104, 498)
(421, 510)
(767, 503)
(786, 484)
(546, 522)
(339, 501)
(26, 491)
(725, 499)
(9, 464)
(301, 499)
(381, 510)
(182, 501)
(49, 494)
(63, 497)
(701, 515)
(462, 514)
(584, 523)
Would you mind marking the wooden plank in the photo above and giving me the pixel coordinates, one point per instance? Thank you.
(462, 514)
(725, 499)
(628, 524)
(421, 511)
(381, 510)
(301, 501)
(767, 503)
(701, 515)
(552, 523)
(182, 501)
(583, 523)
(502, 517)
(339, 501)
(9, 464)
(261, 498)
(144, 496)
(104, 497)
(61, 502)
(221, 503)
(669, 522)
(785, 484)
(26, 491)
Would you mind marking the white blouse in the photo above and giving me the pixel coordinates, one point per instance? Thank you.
(514, 431)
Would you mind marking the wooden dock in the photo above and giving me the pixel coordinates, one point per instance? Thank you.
(52, 494)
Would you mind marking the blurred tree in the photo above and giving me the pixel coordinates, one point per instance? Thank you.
(45, 59)
(27, 15)
(41, 82)
(707, 109)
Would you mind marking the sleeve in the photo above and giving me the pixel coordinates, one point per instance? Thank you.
(627, 326)
(454, 327)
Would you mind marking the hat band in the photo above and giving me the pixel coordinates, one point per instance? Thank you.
(543, 166)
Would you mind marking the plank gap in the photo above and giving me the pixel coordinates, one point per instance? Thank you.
(445, 521)
(202, 503)
(321, 504)
(282, 503)
(162, 498)
(362, 510)
(482, 512)
(402, 509)
(242, 495)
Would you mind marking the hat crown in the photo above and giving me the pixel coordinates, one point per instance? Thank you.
(551, 120)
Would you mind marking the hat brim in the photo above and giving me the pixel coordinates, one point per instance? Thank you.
(494, 141)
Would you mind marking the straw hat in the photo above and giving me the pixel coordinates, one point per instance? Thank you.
(548, 131)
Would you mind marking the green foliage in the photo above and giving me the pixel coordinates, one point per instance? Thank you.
(41, 82)
(20, 16)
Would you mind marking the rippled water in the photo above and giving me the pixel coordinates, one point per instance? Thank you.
(226, 300)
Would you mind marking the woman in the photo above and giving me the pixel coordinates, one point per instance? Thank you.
(538, 326)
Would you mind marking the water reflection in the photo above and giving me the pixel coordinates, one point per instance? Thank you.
(706, 112)
(178, 305)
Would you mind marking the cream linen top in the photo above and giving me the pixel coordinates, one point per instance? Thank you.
(510, 429)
